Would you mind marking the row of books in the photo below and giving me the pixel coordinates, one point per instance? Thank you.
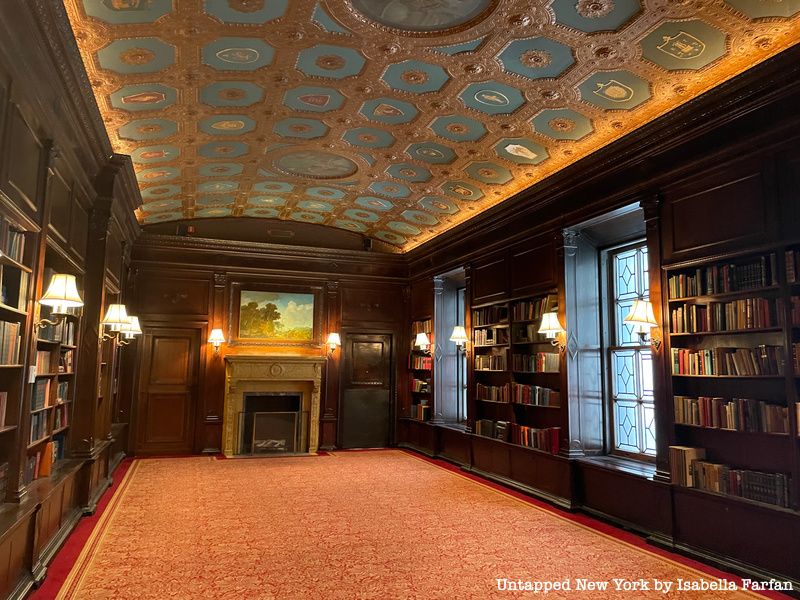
(9, 343)
(740, 414)
(527, 333)
(40, 398)
(793, 266)
(40, 464)
(796, 358)
(720, 279)
(762, 360)
(421, 363)
(38, 426)
(61, 417)
(63, 332)
(748, 313)
(3, 407)
(42, 362)
(492, 393)
(689, 469)
(535, 395)
(486, 337)
(14, 246)
(546, 439)
(425, 326)
(14, 288)
(3, 482)
(421, 411)
(63, 391)
(420, 385)
(65, 362)
(540, 362)
(794, 307)
(532, 310)
(490, 362)
(489, 315)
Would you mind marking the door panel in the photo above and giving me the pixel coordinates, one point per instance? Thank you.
(366, 391)
(168, 390)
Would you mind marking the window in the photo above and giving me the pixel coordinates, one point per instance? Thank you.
(629, 388)
(461, 360)
(450, 365)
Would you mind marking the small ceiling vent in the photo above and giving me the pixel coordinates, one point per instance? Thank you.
(280, 233)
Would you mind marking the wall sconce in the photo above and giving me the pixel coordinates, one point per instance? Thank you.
(334, 341)
(459, 336)
(551, 328)
(61, 295)
(643, 320)
(129, 331)
(216, 338)
(422, 341)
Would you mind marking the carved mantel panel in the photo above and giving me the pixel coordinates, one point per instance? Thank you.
(271, 373)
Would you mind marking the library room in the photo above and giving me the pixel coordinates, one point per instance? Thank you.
(403, 299)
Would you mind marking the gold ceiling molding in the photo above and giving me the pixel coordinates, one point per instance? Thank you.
(224, 114)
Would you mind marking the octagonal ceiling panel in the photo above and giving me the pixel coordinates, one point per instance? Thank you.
(386, 119)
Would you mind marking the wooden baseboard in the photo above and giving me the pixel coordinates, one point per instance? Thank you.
(91, 507)
(408, 446)
(558, 501)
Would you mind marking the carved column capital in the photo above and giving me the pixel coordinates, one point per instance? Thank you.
(569, 241)
(438, 285)
(651, 206)
(220, 279)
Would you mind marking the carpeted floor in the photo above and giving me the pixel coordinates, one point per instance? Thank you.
(379, 524)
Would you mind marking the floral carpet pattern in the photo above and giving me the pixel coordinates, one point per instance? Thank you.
(351, 525)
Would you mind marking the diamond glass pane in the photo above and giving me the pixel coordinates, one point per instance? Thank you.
(644, 273)
(624, 381)
(625, 275)
(649, 417)
(626, 430)
(625, 334)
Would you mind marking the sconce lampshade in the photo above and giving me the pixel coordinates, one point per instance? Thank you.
(334, 340)
(132, 328)
(116, 317)
(422, 340)
(641, 316)
(216, 337)
(459, 335)
(550, 326)
(62, 293)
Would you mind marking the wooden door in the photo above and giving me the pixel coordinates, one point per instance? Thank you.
(168, 390)
(366, 391)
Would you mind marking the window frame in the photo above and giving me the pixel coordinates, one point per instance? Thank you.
(610, 345)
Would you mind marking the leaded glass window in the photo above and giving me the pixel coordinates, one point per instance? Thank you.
(630, 364)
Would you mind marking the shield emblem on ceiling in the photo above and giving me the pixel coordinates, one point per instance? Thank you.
(614, 90)
(684, 46)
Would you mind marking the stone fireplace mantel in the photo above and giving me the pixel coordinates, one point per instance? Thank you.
(265, 373)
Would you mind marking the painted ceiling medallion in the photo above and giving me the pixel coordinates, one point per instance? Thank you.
(423, 16)
(315, 164)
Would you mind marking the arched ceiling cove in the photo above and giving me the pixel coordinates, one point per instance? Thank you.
(396, 119)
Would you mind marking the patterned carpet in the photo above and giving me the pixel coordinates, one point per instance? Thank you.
(382, 525)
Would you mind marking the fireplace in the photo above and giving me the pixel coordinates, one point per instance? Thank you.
(270, 423)
(267, 397)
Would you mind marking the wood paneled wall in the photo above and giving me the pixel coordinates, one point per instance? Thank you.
(184, 281)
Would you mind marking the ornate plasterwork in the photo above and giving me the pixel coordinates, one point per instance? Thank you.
(428, 127)
(272, 373)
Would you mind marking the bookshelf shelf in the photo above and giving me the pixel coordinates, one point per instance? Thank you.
(735, 461)
(490, 370)
(6, 309)
(7, 260)
(493, 401)
(33, 445)
(38, 410)
(491, 326)
(536, 372)
(43, 375)
(490, 345)
(60, 430)
(551, 407)
(10, 366)
(8, 428)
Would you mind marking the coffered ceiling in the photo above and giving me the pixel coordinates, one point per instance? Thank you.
(397, 119)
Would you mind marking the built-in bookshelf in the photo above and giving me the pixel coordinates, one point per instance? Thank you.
(420, 364)
(732, 337)
(517, 373)
(16, 258)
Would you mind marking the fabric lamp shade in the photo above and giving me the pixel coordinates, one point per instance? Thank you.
(62, 293)
(422, 340)
(459, 335)
(550, 326)
(132, 328)
(334, 339)
(641, 316)
(116, 317)
(216, 337)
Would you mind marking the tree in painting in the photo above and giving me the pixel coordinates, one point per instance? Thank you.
(276, 316)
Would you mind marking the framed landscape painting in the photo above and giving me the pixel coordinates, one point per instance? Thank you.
(276, 316)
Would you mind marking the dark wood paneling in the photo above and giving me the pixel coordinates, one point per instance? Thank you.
(365, 303)
(533, 267)
(60, 196)
(692, 212)
(79, 230)
(422, 298)
(490, 280)
(788, 169)
(114, 256)
(625, 497)
(24, 156)
(455, 445)
(164, 295)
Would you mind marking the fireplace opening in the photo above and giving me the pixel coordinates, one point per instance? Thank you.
(270, 423)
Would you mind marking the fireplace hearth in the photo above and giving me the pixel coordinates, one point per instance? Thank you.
(270, 423)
